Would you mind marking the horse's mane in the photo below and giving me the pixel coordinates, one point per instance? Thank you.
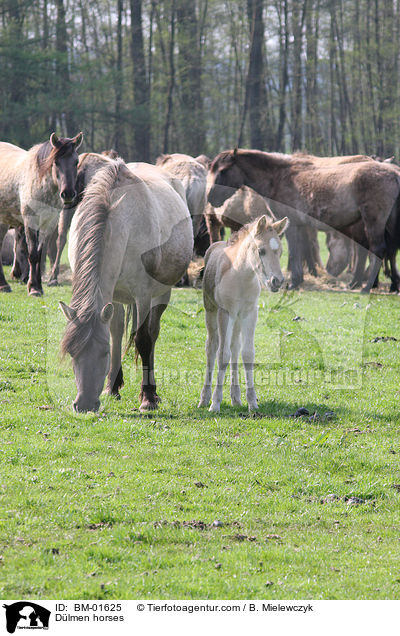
(93, 213)
(258, 158)
(46, 154)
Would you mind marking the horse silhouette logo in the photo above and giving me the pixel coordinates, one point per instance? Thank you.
(26, 615)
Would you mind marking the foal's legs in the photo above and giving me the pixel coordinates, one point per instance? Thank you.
(248, 354)
(4, 286)
(211, 352)
(115, 378)
(235, 350)
(225, 328)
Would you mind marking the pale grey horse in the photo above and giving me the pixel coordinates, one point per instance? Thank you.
(131, 239)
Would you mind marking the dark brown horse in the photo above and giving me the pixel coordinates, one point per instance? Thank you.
(326, 196)
(34, 184)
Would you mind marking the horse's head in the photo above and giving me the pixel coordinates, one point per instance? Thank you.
(339, 248)
(64, 161)
(224, 178)
(266, 249)
(90, 352)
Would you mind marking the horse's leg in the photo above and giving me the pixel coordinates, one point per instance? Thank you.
(64, 223)
(375, 265)
(115, 378)
(359, 268)
(225, 328)
(394, 273)
(156, 313)
(20, 268)
(4, 286)
(235, 351)
(295, 265)
(309, 251)
(211, 352)
(375, 230)
(214, 226)
(148, 326)
(34, 257)
(248, 355)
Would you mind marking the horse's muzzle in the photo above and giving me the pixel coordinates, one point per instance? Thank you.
(68, 196)
(275, 283)
(82, 406)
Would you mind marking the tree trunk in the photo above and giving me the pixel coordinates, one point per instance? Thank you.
(141, 115)
(62, 70)
(190, 78)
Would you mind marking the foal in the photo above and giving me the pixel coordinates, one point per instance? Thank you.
(233, 276)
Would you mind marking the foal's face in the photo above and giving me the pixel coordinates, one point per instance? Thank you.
(266, 252)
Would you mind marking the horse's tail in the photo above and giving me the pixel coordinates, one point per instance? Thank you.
(130, 330)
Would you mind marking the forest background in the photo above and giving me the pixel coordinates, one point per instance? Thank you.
(200, 76)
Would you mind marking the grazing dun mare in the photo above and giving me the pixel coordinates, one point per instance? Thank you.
(233, 276)
(131, 240)
(34, 184)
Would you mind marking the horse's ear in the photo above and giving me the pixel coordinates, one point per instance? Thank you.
(389, 160)
(78, 140)
(281, 226)
(107, 313)
(54, 140)
(161, 159)
(68, 312)
(261, 224)
(235, 152)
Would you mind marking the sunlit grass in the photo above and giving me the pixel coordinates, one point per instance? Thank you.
(118, 505)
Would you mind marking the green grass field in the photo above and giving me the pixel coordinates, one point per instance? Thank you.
(186, 504)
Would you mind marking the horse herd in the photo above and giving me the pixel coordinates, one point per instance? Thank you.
(134, 226)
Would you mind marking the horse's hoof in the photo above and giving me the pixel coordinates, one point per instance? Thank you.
(5, 289)
(214, 408)
(148, 405)
(365, 290)
(253, 408)
(35, 293)
(203, 404)
(52, 283)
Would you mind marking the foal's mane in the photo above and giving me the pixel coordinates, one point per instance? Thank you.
(241, 234)
(46, 154)
(93, 213)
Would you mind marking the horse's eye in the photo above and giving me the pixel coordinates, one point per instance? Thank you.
(261, 251)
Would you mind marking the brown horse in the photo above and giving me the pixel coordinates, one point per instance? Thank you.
(333, 195)
(33, 186)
